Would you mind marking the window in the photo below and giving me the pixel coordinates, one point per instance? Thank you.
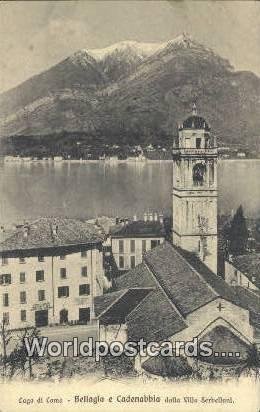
(199, 171)
(132, 262)
(154, 243)
(121, 262)
(132, 246)
(143, 246)
(211, 173)
(39, 275)
(121, 246)
(4, 260)
(23, 315)
(83, 253)
(22, 277)
(84, 289)
(62, 257)
(84, 271)
(63, 292)
(41, 295)
(5, 279)
(63, 273)
(198, 143)
(6, 319)
(40, 258)
(22, 297)
(5, 299)
(21, 259)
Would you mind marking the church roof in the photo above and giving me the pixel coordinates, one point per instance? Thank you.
(112, 308)
(183, 284)
(154, 319)
(195, 122)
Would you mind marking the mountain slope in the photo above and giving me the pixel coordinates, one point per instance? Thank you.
(160, 93)
(132, 93)
(79, 70)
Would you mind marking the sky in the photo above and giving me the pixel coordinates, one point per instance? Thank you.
(37, 34)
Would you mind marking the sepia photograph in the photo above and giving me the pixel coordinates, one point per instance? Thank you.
(130, 205)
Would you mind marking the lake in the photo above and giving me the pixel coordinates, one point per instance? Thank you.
(90, 190)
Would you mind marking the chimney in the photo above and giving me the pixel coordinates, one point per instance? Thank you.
(126, 221)
(25, 231)
(145, 217)
(155, 217)
(151, 217)
(54, 229)
(134, 218)
(161, 219)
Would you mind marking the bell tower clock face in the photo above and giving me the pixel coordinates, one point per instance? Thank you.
(199, 171)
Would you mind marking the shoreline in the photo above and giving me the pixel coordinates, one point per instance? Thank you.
(107, 162)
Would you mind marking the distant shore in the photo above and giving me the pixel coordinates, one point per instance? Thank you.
(106, 162)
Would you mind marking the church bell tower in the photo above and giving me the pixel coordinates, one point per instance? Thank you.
(195, 190)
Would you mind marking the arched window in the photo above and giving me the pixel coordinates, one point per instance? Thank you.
(199, 174)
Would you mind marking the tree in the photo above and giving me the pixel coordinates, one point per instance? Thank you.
(238, 233)
(6, 337)
(252, 362)
(14, 358)
(19, 359)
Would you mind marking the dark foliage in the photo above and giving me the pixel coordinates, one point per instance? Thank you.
(238, 233)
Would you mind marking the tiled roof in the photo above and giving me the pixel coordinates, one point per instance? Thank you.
(138, 228)
(137, 277)
(178, 278)
(104, 301)
(249, 265)
(154, 319)
(114, 307)
(183, 284)
(220, 287)
(40, 234)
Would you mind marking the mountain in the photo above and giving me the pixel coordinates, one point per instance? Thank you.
(134, 93)
(122, 59)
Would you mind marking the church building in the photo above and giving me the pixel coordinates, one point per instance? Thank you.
(180, 295)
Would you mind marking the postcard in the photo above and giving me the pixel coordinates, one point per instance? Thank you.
(130, 206)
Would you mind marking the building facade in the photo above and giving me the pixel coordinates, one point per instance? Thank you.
(50, 272)
(129, 241)
(195, 190)
(243, 270)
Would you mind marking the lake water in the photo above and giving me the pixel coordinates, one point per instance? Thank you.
(90, 190)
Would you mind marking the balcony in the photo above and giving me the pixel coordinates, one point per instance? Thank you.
(179, 151)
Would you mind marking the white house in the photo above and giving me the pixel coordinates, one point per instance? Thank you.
(51, 270)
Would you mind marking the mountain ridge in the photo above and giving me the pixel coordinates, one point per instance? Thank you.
(128, 96)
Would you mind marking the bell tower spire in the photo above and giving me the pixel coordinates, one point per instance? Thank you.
(195, 190)
(194, 109)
